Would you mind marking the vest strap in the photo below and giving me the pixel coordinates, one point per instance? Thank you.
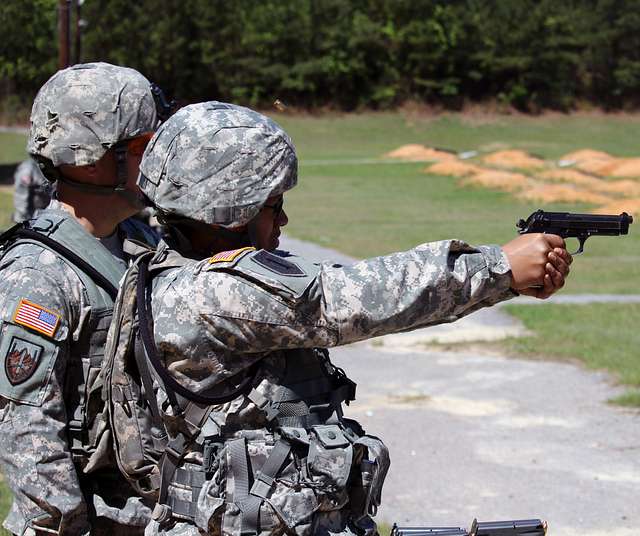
(249, 500)
(170, 383)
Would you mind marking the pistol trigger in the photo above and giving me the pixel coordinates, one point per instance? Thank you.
(582, 240)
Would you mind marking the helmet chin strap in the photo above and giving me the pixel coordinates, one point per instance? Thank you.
(119, 189)
(252, 232)
(182, 234)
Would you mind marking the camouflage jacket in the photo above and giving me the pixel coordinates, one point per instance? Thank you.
(216, 317)
(213, 319)
(50, 342)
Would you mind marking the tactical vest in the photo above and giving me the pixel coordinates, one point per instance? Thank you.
(189, 450)
(59, 232)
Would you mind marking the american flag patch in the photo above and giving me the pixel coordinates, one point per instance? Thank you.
(228, 256)
(36, 317)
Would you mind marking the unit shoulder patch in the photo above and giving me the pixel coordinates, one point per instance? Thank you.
(277, 264)
(229, 256)
(21, 360)
(36, 317)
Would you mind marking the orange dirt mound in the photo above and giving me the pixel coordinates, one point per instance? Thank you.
(586, 154)
(568, 175)
(416, 152)
(614, 167)
(562, 193)
(626, 167)
(630, 206)
(513, 159)
(626, 188)
(499, 180)
(453, 168)
(598, 166)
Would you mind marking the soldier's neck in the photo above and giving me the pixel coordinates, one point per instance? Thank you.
(99, 217)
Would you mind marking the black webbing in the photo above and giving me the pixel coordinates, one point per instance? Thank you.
(147, 381)
(145, 316)
(6, 235)
(95, 276)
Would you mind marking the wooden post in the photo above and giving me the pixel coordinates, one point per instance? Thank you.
(78, 36)
(64, 34)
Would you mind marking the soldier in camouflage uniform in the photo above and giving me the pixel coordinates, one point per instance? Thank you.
(31, 191)
(258, 443)
(89, 126)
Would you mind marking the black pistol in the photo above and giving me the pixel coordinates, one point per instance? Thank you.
(580, 226)
(521, 527)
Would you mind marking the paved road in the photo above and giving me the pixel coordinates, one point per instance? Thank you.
(492, 437)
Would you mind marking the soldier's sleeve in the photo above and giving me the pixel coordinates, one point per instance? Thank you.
(431, 284)
(34, 349)
(264, 301)
(21, 193)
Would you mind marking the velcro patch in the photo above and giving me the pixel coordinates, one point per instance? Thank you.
(36, 317)
(277, 264)
(22, 360)
(228, 256)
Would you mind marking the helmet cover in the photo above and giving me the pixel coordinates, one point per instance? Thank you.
(217, 163)
(84, 110)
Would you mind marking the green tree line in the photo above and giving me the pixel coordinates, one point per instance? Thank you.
(348, 54)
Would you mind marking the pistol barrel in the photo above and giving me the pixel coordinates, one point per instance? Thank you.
(567, 224)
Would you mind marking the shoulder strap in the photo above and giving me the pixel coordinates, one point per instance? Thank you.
(65, 252)
(145, 315)
(61, 233)
(66, 230)
(9, 234)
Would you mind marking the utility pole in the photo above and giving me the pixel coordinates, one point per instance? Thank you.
(81, 24)
(64, 33)
(78, 46)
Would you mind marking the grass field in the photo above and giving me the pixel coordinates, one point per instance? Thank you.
(367, 209)
(12, 147)
(348, 201)
(602, 336)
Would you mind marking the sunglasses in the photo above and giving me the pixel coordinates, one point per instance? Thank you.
(276, 207)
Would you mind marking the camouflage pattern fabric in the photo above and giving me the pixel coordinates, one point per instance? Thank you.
(215, 318)
(211, 323)
(84, 110)
(31, 191)
(334, 523)
(45, 333)
(205, 154)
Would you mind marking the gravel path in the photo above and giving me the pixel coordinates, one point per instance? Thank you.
(493, 437)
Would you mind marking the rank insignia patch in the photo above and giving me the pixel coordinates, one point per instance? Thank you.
(34, 316)
(228, 256)
(21, 360)
(277, 264)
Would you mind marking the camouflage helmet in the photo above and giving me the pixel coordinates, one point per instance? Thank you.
(84, 110)
(217, 163)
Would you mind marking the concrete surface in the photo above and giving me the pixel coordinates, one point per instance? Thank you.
(493, 437)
